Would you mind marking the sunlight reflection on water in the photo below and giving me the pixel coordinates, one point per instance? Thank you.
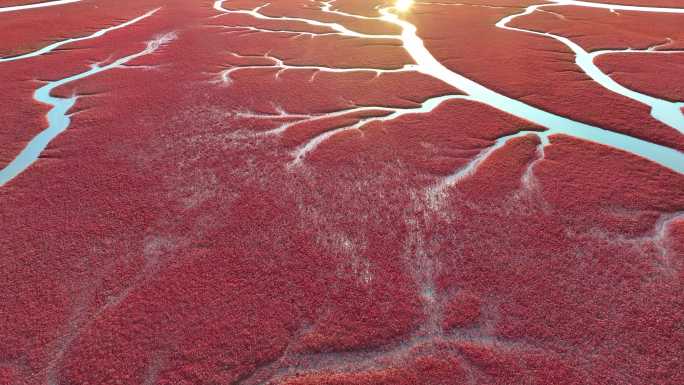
(403, 5)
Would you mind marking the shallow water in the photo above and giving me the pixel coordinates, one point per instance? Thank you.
(58, 118)
(60, 43)
(662, 110)
(556, 124)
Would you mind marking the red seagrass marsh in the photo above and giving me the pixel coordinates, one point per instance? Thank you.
(342, 192)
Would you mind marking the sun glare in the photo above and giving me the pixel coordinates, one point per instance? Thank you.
(403, 5)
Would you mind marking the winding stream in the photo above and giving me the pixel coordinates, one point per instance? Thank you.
(617, 7)
(58, 119)
(53, 46)
(556, 124)
(665, 111)
(429, 65)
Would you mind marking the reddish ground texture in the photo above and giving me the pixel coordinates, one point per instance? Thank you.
(625, 29)
(648, 3)
(652, 74)
(510, 62)
(9, 3)
(20, 34)
(164, 239)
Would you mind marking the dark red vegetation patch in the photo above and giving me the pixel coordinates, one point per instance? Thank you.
(164, 238)
(651, 73)
(443, 370)
(564, 264)
(8, 3)
(303, 8)
(506, 364)
(75, 20)
(510, 166)
(675, 241)
(463, 310)
(439, 142)
(303, 50)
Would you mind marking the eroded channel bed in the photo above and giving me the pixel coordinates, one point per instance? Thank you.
(341, 192)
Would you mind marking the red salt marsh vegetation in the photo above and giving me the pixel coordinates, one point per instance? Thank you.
(653, 74)
(20, 34)
(252, 202)
(649, 3)
(525, 55)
